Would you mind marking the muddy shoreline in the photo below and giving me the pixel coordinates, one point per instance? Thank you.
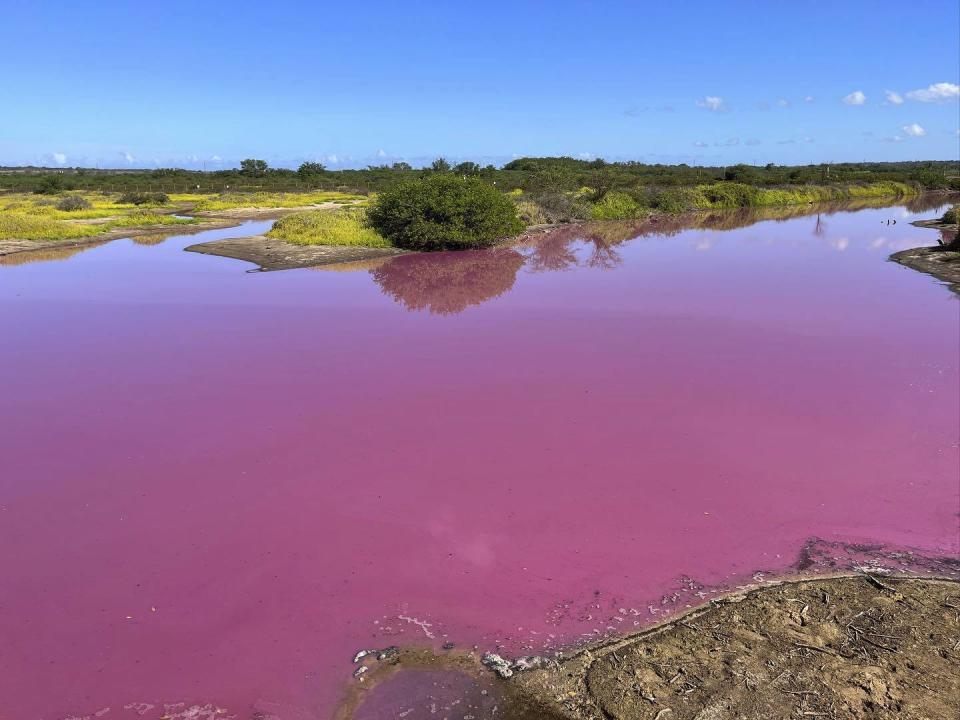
(841, 646)
(937, 261)
(274, 254)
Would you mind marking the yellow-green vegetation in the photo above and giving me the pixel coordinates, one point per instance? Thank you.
(617, 206)
(36, 217)
(328, 227)
(726, 195)
(231, 201)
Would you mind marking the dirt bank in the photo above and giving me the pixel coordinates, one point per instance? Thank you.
(862, 646)
(941, 261)
(273, 254)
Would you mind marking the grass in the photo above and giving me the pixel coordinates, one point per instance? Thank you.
(728, 195)
(32, 217)
(326, 227)
(231, 201)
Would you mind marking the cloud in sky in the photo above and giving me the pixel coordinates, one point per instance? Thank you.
(938, 92)
(914, 130)
(128, 157)
(893, 98)
(59, 158)
(809, 99)
(783, 102)
(753, 141)
(699, 143)
(713, 103)
(855, 98)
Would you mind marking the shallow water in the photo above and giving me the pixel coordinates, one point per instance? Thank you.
(218, 485)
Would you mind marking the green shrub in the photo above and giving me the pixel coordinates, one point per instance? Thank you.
(552, 208)
(49, 185)
(143, 198)
(443, 212)
(950, 216)
(675, 200)
(616, 206)
(73, 203)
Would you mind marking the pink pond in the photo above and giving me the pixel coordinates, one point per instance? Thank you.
(218, 485)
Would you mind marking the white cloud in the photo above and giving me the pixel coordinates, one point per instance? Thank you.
(753, 141)
(914, 130)
(381, 153)
(855, 98)
(893, 98)
(809, 99)
(809, 140)
(59, 158)
(333, 159)
(699, 143)
(782, 102)
(713, 103)
(938, 92)
(127, 156)
(216, 158)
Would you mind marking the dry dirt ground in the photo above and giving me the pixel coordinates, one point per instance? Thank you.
(870, 647)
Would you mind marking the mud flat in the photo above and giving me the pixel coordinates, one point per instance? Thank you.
(863, 646)
(273, 254)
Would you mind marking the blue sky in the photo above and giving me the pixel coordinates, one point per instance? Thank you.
(204, 84)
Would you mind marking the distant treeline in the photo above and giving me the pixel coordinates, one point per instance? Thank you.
(530, 175)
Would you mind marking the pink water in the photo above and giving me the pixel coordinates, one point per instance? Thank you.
(216, 486)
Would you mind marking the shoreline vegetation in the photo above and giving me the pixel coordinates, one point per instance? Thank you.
(438, 208)
(828, 646)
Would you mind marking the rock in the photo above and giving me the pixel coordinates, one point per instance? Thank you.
(498, 664)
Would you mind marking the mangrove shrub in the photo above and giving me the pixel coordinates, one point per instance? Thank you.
(443, 212)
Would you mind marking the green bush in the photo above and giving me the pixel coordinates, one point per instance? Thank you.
(143, 198)
(72, 203)
(556, 207)
(950, 216)
(616, 206)
(49, 185)
(443, 212)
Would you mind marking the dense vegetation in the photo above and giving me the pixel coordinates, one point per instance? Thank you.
(443, 205)
(443, 211)
(530, 175)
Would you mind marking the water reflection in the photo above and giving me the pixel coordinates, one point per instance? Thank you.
(448, 282)
(27, 257)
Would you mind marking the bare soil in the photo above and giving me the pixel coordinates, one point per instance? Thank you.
(942, 261)
(840, 648)
(273, 254)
